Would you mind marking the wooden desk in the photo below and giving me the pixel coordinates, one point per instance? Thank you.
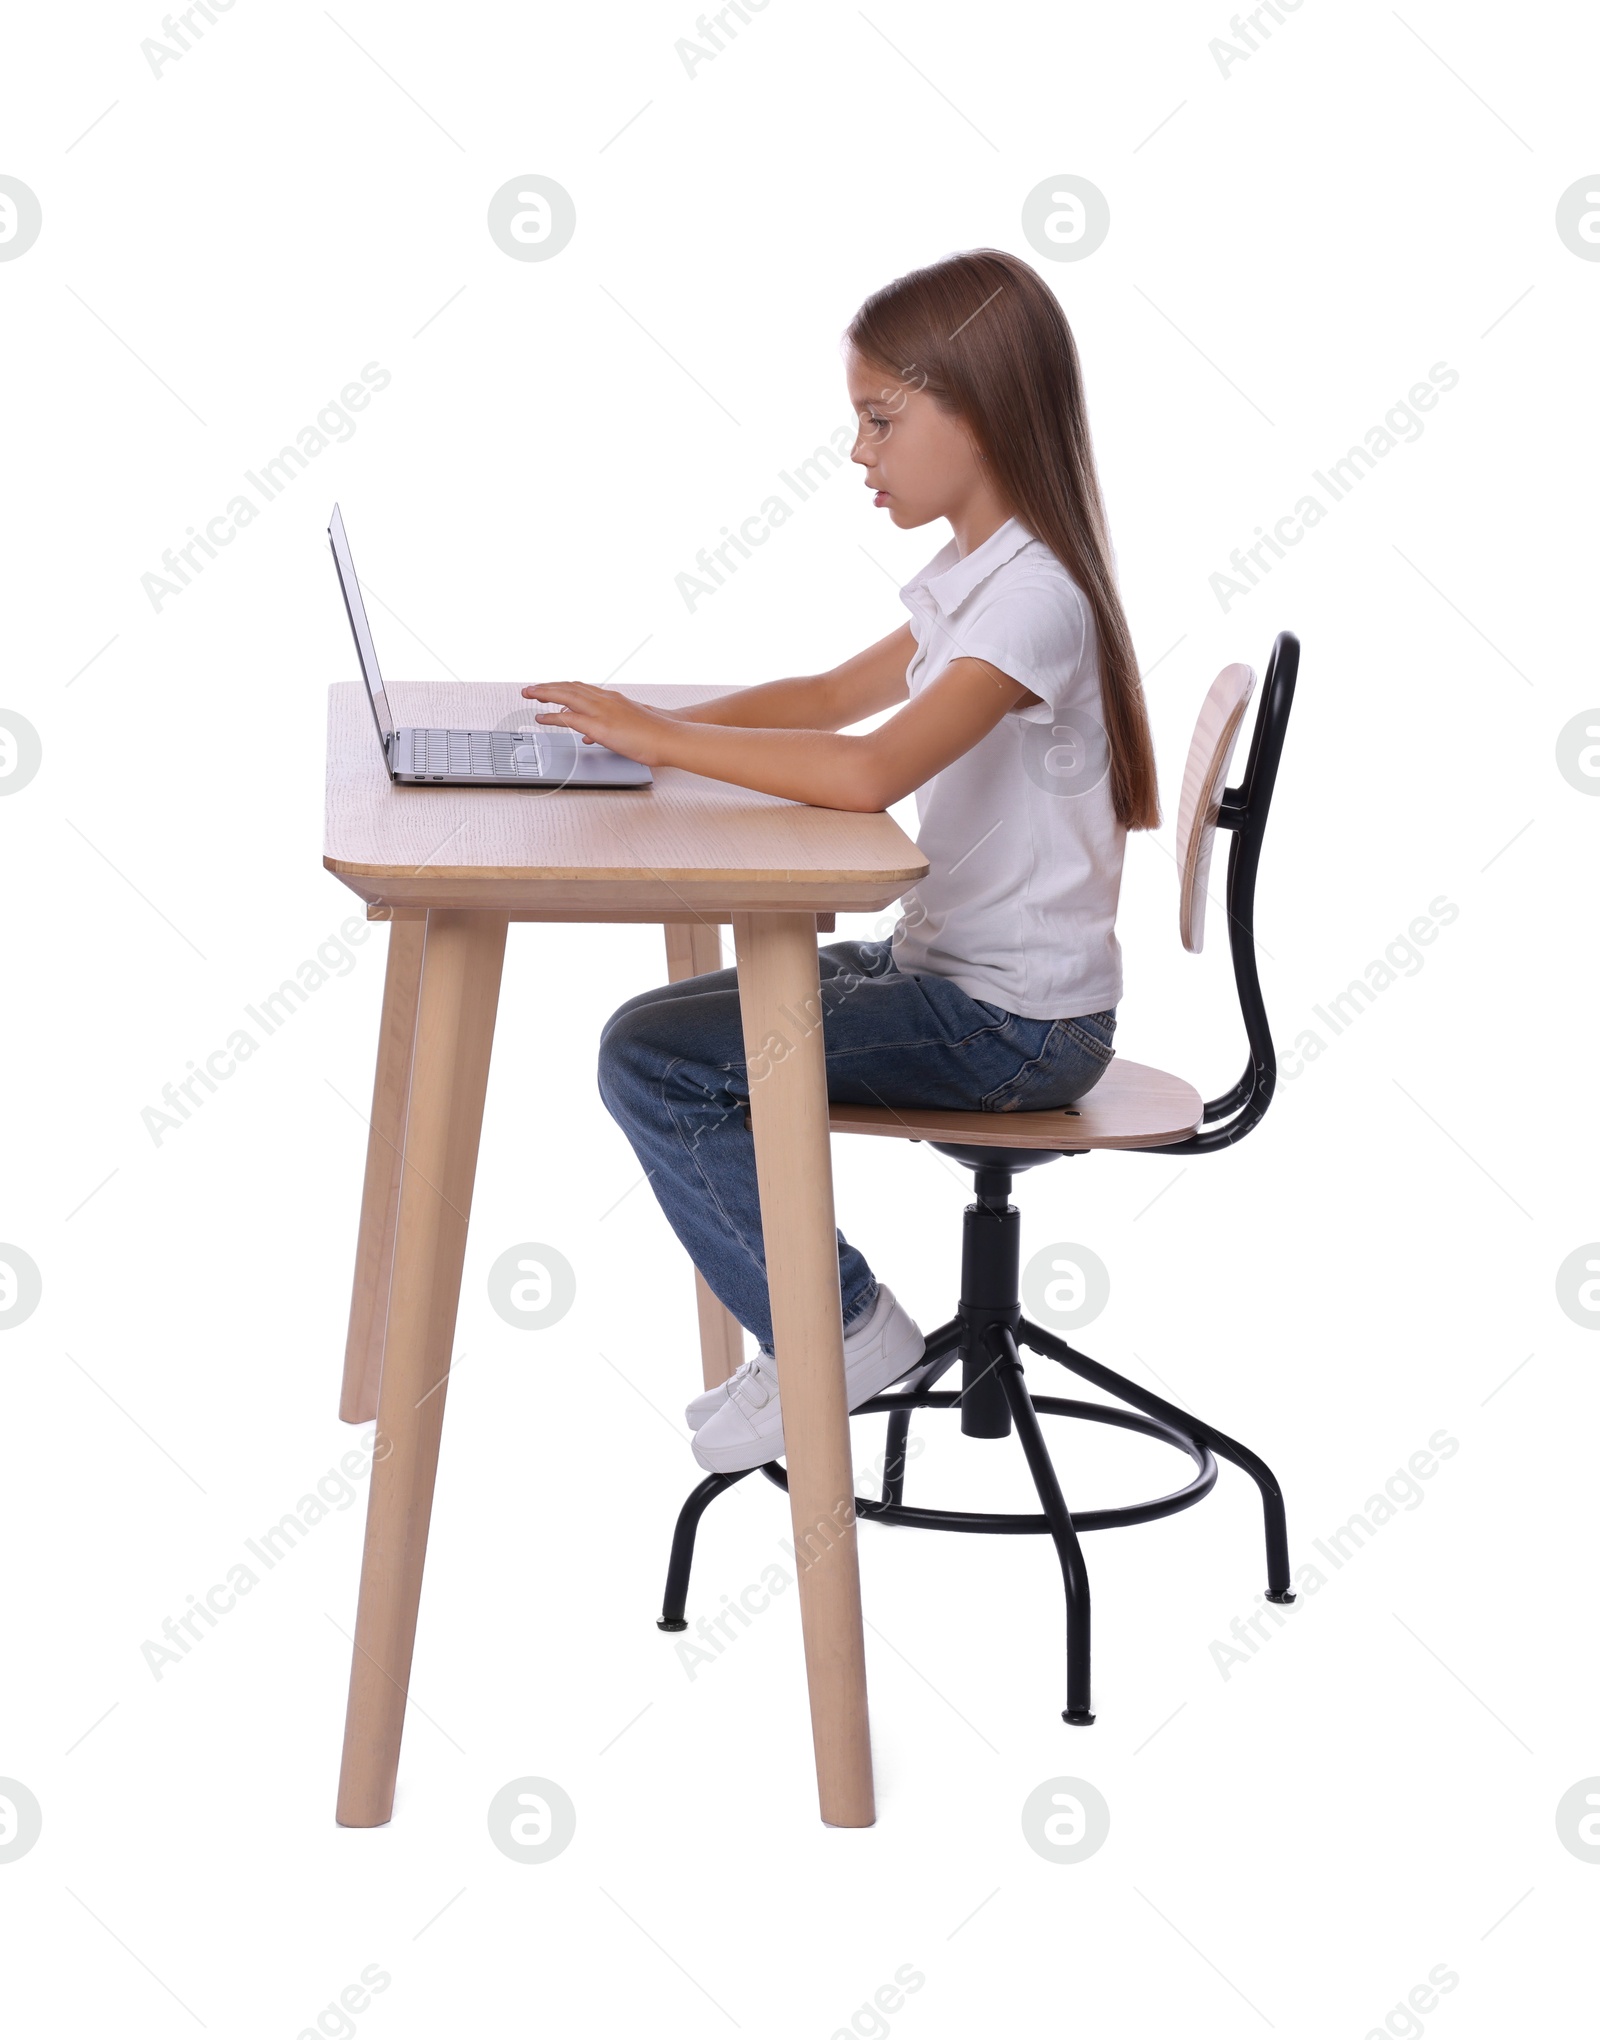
(450, 867)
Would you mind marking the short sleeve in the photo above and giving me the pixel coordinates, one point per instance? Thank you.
(1037, 635)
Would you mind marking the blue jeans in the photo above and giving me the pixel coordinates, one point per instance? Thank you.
(673, 1076)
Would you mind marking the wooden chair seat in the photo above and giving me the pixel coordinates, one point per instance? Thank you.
(1132, 1106)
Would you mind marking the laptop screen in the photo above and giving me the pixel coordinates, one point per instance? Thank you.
(356, 610)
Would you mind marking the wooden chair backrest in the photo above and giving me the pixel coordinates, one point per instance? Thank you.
(1216, 731)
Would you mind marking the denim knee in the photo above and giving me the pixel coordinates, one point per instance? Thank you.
(637, 1050)
(619, 1055)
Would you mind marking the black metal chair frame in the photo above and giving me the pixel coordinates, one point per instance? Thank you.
(988, 1330)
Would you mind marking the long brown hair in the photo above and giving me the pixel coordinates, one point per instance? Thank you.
(984, 335)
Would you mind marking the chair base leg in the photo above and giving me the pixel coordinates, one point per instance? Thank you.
(941, 1350)
(1074, 1573)
(1274, 1521)
(676, 1596)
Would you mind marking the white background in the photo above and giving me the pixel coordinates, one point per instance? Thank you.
(1293, 245)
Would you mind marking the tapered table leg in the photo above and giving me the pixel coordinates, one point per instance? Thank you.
(694, 948)
(380, 1196)
(460, 988)
(778, 986)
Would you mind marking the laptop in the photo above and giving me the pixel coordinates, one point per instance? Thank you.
(537, 757)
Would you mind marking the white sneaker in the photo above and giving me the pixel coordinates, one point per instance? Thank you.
(748, 1430)
(711, 1401)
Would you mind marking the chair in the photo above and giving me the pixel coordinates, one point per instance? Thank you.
(1131, 1107)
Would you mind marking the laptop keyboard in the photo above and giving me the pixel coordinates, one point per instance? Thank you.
(474, 754)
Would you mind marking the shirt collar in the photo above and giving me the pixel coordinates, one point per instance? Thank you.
(947, 580)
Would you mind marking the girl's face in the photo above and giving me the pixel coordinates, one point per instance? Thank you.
(920, 460)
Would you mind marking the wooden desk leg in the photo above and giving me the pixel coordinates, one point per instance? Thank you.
(380, 1197)
(460, 989)
(693, 948)
(789, 1115)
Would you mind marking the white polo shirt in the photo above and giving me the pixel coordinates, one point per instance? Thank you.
(1020, 905)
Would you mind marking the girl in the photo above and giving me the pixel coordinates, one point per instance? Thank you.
(1025, 740)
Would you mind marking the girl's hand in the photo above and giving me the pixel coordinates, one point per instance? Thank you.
(600, 715)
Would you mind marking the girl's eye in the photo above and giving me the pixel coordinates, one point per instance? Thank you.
(878, 424)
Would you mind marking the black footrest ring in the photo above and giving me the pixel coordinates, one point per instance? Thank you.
(1204, 1481)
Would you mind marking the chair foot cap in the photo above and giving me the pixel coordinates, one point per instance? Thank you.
(1282, 1599)
(1077, 1717)
(664, 1623)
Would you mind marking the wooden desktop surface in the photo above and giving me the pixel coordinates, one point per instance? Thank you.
(684, 844)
